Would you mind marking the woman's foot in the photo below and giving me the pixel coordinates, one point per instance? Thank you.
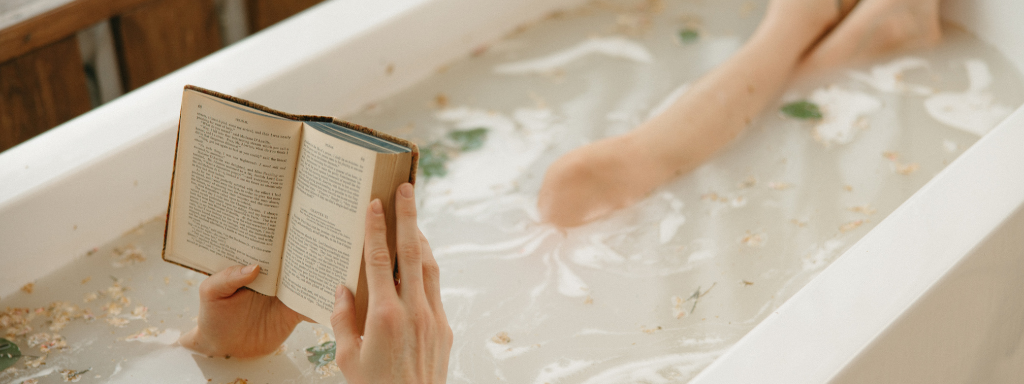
(594, 180)
(875, 28)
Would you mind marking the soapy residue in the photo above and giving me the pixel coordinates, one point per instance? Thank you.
(613, 46)
(847, 110)
(513, 145)
(665, 369)
(974, 110)
(889, 77)
(554, 372)
(844, 111)
(42, 373)
(673, 219)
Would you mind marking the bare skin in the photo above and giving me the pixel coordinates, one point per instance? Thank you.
(796, 35)
(875, 28)
(235, 322)
(407, 338)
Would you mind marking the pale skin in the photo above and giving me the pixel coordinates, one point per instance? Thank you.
(407, 338)
(796, 36)
(236, 322)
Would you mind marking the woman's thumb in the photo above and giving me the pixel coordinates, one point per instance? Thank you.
(224, 283)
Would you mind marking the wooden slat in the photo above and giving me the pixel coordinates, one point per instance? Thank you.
(57, 24)
(264, 13)
(161, 36)
(41, 90)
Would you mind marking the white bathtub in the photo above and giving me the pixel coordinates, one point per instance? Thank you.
(932, 294)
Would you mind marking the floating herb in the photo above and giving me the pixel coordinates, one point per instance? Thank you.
(689, 35)
(802, 109)
(433, 161)
(9, 354)
(434, 157)
(697, 295)
(322, 354)
(470, 139)
(71, 376)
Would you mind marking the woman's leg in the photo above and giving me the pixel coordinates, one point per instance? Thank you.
(596, 179)
(875, 28)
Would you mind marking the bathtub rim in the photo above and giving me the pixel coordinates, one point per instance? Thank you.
(838, 315)
(37, 178)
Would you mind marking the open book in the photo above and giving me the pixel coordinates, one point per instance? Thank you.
(252, 185)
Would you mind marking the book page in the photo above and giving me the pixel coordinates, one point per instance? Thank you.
(326, 224)
(232, 188)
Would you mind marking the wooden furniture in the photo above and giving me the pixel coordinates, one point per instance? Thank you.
(264, 13)
(42, 80)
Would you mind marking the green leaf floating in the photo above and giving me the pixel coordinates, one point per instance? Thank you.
(322, 354)
(433, 161)
(470, 139)
(9, 354)
(802, 109)
(434, 157)
(689, 35)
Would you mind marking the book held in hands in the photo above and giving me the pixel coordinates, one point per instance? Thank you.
(252, 185)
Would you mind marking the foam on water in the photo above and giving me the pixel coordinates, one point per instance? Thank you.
(613, 46)
(612, 301)
(973, 110)
(843, 110)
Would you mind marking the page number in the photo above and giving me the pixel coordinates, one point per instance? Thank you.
(200, 106)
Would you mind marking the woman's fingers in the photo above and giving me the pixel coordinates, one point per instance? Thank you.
(380, 279)
(408, 242)
(406, 332)
(346, 329)
(431, 275)
(224, 283)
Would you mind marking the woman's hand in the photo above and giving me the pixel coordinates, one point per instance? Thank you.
(235, 322)
(407, 338)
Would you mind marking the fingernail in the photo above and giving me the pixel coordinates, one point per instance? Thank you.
(337, 293)
(248, 269)
(376, 207)
(406, 190)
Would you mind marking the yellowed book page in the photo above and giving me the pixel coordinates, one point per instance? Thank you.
(392, 170)
(232, 188)
(326, 223)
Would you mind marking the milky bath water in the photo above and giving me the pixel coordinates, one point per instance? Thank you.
(653, 293)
